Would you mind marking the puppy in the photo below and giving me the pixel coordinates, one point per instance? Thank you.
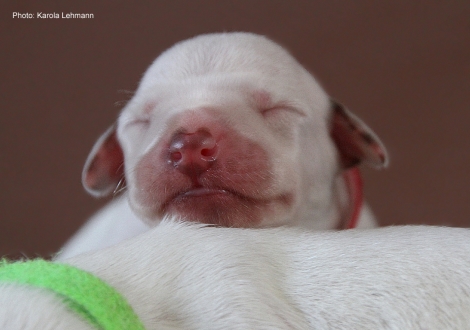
(193, 276)
(229, 129)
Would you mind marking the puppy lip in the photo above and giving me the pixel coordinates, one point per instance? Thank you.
(195, 192)
(202, 191)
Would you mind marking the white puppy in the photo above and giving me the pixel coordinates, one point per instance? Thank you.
(191, 276)
(230, 129)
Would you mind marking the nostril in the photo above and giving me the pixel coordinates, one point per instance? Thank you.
(176, 156)
(206, 152)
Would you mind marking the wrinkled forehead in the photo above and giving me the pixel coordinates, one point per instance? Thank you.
(230, 64)
(223, 53)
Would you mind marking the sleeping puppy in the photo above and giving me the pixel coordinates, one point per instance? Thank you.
(229, 129)
(193, 276)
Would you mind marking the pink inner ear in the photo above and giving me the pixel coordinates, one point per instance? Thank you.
(355, 141)
(104, 168)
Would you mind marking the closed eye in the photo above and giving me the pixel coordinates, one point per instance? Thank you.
(280, 109)
(138, 122)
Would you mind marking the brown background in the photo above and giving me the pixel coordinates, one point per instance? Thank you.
(403, 66)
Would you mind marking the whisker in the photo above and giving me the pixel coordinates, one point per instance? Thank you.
(120, 187)
(122, 103)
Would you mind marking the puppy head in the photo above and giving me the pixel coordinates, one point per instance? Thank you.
(229, 129)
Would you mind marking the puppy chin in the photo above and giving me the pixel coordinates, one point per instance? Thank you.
(219, 208)
(222, 208)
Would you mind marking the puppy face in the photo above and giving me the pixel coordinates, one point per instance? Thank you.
(229, 129)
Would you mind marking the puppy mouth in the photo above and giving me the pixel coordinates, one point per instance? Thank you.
(222, 205)
(199, 201)
(201, 192)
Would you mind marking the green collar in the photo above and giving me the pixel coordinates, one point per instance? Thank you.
(93, 299)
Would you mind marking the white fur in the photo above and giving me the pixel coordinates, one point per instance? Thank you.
(217, 78)
(117, 222)
(189, 276)
(112, 224)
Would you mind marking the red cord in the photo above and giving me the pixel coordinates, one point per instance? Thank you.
(354, 187)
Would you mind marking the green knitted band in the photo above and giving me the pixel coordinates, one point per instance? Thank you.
(83, 292)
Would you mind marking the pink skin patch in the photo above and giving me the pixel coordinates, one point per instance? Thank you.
(234, 191)
(148, 108)
(262, 99)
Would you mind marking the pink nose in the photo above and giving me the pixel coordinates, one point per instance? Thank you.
(193, 153)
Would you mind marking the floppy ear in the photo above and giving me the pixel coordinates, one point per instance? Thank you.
(104, 167)
(355, 141)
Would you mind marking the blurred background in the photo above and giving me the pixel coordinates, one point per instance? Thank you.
(403, 66)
